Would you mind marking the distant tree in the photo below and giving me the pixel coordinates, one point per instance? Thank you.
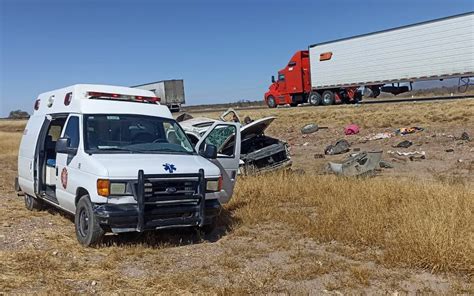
(18, 114)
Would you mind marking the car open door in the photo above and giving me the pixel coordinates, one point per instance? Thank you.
(226, 137)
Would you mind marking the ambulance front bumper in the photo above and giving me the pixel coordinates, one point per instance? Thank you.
(124, 217)
(162, 201)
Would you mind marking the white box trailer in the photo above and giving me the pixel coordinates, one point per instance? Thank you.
(437, 49)
(170, 92)
(345, 70)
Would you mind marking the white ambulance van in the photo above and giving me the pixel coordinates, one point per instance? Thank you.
(117, 160)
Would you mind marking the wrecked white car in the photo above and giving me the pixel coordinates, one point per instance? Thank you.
(259, 152)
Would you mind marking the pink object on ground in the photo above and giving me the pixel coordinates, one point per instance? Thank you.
(351, 129)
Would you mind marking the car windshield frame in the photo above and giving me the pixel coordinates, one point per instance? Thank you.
(123, 149)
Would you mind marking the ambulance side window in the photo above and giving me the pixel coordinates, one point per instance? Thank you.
(72, 131)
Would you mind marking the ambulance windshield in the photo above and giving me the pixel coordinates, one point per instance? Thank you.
(124, 133)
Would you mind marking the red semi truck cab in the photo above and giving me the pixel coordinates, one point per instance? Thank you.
(293, 82)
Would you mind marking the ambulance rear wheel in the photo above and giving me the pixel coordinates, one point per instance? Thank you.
(328, 98)
(88, 230)
(33, 204)
(271, 102)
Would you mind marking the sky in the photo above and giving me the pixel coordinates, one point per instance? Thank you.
(224, 50)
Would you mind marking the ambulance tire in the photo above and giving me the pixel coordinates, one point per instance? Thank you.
(88, 231)
(33, 204)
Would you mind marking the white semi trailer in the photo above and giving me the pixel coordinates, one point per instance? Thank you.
(170, 92)
(332, 72)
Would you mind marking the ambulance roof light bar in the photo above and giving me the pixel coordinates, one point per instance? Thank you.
(110, 96)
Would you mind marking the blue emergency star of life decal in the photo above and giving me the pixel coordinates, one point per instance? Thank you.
(169, 167)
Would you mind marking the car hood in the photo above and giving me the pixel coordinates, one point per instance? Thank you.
(256, 127)
(126, 166)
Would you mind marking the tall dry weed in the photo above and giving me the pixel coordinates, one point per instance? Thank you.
(415, 224)
(9, 143)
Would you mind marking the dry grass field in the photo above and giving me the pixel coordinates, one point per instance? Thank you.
(407, 230)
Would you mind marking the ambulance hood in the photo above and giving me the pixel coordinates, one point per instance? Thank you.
(126, 166)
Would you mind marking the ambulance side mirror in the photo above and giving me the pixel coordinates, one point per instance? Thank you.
(63, 145)
(273, 79)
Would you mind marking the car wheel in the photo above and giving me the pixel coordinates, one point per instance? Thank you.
(314, 99)
(33, 204)
(328, 98)
(88, 230)
(271, 102)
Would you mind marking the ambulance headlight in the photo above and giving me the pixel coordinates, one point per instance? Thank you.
(118, 188)
(214, 185)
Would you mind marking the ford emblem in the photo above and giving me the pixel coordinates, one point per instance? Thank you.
(171, 190)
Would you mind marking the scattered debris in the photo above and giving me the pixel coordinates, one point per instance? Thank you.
(351, 129)
(449, 150)
(408, 130)
(413, 156)
(55, 253)
(306, 144)
(356, 149)
(413, 153)
(317, 155)
(362, 164)
(403, 144)
(341, 146)
(385, 164)
(311, 128)
(465, 137)
(93, 283)
(379, 136)
(416, 157)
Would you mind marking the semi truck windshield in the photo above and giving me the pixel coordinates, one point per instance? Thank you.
(134, 134)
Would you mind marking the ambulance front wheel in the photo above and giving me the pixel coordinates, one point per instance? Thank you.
(88, 230)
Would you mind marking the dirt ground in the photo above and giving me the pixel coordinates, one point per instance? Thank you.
(258, 253)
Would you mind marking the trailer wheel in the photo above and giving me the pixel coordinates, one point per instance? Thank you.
(328, 98)
(88, 230)
(314, 99)
(271, 102)
(33, 204)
